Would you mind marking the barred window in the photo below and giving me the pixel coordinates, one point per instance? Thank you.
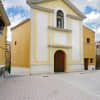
(60, 19)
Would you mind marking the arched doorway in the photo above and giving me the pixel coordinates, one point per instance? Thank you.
(59, 61)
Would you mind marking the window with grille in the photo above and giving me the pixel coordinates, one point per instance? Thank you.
(60, 19)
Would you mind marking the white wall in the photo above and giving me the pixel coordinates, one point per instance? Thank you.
(73, 68)
(60, 39)
(42, 36)
(40, 68)
(76, 45)
(32, 38)
(69, 39)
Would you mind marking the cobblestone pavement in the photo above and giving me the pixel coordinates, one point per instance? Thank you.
(69, 86)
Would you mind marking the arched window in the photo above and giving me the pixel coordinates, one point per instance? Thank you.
(60, 19)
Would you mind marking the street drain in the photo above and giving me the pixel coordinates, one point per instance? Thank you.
(45, 76)
(82, 73)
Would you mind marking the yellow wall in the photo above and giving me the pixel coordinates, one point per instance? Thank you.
(20, 51)
(2, 46)
(89, 48)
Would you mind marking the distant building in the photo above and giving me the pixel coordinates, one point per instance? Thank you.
(98, 48)
(98, 55)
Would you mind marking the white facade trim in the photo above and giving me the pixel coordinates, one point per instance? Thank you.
(51, 42)
(41, 36)
(76, 45)
(32, 38)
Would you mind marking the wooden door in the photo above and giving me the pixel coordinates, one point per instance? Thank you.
(59, 61)
(86, 63)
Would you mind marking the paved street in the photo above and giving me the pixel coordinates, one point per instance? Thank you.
(64, 86)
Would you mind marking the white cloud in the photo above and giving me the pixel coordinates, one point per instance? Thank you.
(93, 19)
(15, 3)
(15, 20)
(81, 4)
(98, 30)
(95, 4)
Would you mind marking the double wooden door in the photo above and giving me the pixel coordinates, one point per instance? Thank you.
(59, 61)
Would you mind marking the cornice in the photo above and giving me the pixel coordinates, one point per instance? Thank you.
(59, 29)
(41, 8)
(59, 46)
(74, 17)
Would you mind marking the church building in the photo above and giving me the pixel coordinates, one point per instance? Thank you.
(51, 40)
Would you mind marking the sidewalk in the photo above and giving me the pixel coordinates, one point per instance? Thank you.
(20, 71)
(41, 88)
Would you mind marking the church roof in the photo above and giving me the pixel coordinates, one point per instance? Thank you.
(3, 14)
(68, 2)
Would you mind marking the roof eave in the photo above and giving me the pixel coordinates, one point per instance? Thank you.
(3, 15)
(75, 9)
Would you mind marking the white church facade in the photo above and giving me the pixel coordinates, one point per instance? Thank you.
(56, 37)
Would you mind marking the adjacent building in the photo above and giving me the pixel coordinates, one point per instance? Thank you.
(52, 39)
(4, 22)
(89, 48)
(20, 45)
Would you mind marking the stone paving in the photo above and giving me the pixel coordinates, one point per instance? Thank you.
(64, 86)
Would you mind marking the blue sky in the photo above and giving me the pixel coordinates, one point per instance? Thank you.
(18, 10)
